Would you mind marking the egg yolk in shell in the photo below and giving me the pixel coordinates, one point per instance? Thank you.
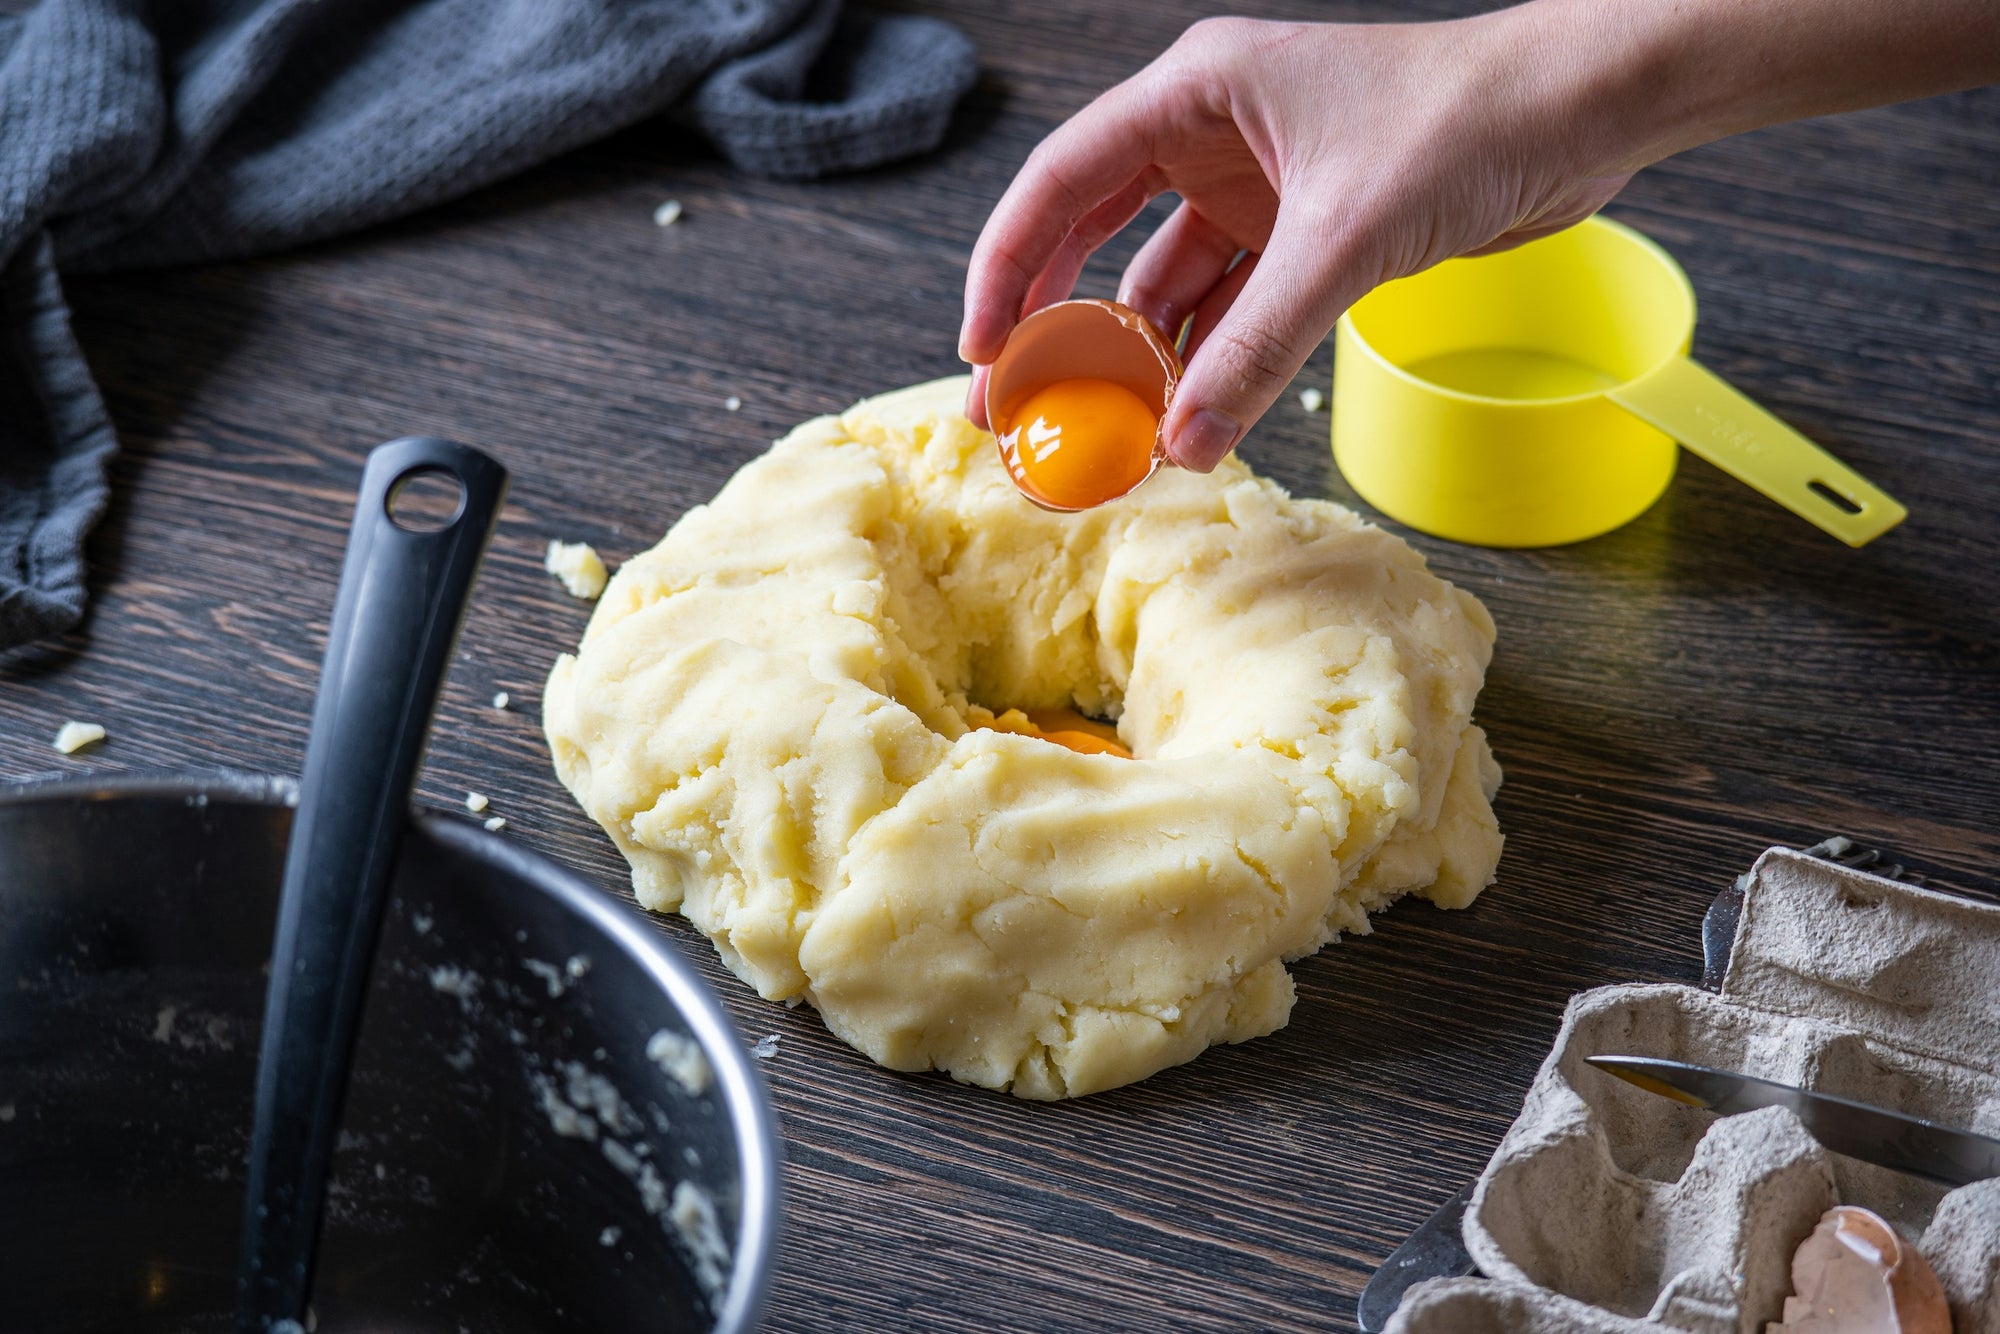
(1079, 443)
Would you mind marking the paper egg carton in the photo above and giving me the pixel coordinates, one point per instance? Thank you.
(1610, 1210)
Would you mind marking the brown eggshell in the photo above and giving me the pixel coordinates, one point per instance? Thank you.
(1855, 1275)
(1071, 340)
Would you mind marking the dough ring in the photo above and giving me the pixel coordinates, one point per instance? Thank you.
(775, 714)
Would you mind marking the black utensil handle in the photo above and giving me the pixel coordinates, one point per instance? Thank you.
(401, 601)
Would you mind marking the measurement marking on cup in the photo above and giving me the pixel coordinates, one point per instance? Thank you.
(1723, 431)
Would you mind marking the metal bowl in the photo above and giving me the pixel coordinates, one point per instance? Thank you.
(510, 1158)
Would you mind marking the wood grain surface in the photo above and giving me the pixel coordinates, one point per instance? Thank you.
(1667, 700)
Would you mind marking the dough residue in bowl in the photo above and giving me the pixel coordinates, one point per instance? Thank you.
(779, 714)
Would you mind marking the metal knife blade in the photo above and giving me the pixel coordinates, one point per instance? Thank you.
(1876, 1135)
(1435, 1250)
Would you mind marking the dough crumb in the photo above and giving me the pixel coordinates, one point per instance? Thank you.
(683, 1060)
(576, 966)
(592, 1092)
(564, 1119)
(72, 737)
(667, 214)
(500, 699)
(766, 1048)
(609, 1237)
(732, 403)
(6, 1112)
(579, 567)
(456, 982)
(652, 1191)
(496, 824)
(552, 976)
(1312, 400)
(476, 802)
(693, 1217)
(621, 1157)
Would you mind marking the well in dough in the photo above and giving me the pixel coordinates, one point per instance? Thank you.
(775, 713)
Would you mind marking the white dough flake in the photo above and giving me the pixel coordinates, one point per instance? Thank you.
(456, 982)
(564, 1119)
(693, 1216)
(579, 567)
(73, 736)
(552, 976)
(682, 1058)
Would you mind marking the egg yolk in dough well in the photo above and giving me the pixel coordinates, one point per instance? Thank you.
(1079, 443)
(1065, 727)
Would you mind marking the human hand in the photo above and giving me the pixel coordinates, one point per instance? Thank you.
(1331, 156)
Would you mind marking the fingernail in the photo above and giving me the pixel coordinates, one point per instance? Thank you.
(1203, 440)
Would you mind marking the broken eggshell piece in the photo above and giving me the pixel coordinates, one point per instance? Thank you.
(1072, 340)
(1854, 1275)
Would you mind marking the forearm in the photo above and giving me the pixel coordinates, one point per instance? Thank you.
(1653, 77)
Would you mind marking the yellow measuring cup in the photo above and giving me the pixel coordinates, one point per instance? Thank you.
(1534, 397)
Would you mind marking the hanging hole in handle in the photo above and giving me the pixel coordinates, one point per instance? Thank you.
(1833, 497)
(425, 500)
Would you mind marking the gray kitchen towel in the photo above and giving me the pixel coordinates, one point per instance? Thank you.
(148, 132)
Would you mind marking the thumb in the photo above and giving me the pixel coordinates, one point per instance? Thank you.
(1252, 333)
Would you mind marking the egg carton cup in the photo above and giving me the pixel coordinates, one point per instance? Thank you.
(1609, 1210)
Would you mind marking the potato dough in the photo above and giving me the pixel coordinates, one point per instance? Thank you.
(774, 715)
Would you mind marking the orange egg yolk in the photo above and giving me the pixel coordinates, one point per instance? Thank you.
(1064, 727)
(1079, 443)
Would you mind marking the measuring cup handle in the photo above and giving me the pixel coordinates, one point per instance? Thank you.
(1715, 420)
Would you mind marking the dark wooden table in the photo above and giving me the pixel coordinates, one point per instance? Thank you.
(1667, 700)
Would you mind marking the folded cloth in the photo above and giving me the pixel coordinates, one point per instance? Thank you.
(144, 133)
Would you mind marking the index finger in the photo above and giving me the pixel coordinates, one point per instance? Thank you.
(1086, 161)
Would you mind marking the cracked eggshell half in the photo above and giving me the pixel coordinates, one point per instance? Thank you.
(1086, 339)
(1854, 1275)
